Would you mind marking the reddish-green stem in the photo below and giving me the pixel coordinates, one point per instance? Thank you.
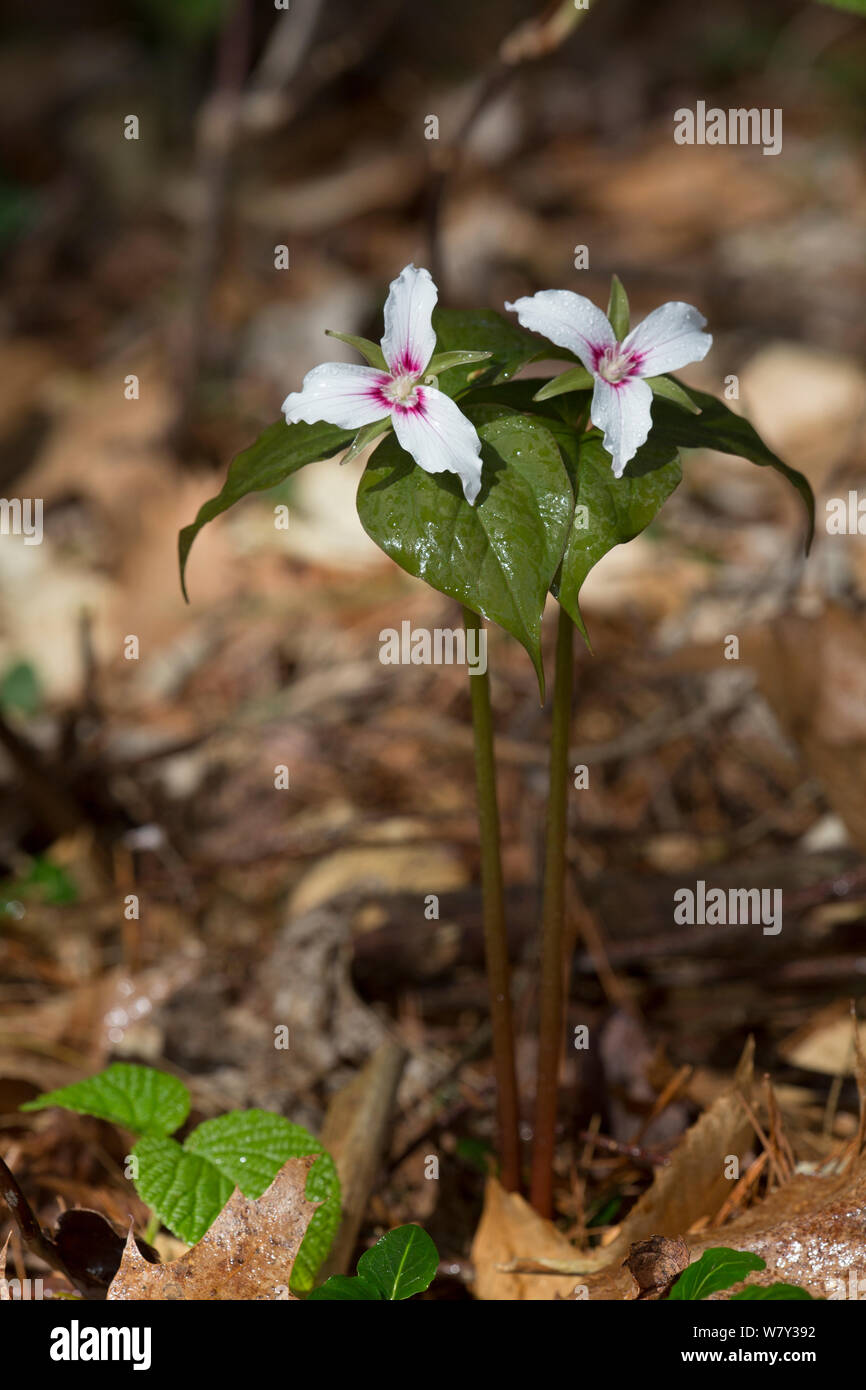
(550, 997)
(495, 937)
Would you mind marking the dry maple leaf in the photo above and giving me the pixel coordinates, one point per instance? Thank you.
(247, 1254)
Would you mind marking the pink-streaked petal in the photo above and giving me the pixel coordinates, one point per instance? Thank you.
(409, 339)
(669, 337)
(570, 320)
(622, 411)
(440, 438)
(341, 393)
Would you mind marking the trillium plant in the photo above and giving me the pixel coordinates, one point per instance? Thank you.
(500, 488)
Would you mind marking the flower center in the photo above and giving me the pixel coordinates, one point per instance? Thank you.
(402, 389)
(615, 364)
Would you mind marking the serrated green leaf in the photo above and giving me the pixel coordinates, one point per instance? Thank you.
(510, 347)
(773, 1293)
(250, 1147)
(402, 1263)
(277, 453)
(670, 390)
(140, 1099)
(497, 557)
(719, 428)
(617, 509)
(718, 1268)
(344, 1288)
(576, 379)
(372, 351)
(617, 309)
(185, 1190)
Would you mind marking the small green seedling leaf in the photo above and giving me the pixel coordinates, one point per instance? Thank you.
(670, 390)
(249, 1147)
(401, 1264)
(576, 379)
(184, 1189)
(773, 1293)
(372, 351)
(617, 309)
(718, 1268)
(139, 1099)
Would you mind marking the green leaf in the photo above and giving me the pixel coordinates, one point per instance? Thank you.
(575, 379)
(617, 509)
(773, 1293)
(277, 453)
(345, 1288)
(670, 390)
(509, 346)
(139, 1099)
(497, 557)
(372, 351)
(249, 1147)
(617, 309)
(402, 1263)
(717, 1269)
(185, 1190)
(719, 428)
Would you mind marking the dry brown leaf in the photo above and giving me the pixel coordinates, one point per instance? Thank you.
(510, 1230)
(693, 1184)
(247, 1254)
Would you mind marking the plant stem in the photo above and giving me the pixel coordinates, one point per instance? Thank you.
(495, 938)
(550, 998)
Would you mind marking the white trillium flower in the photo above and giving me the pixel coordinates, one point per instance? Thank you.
(669, 338)
(427, 423)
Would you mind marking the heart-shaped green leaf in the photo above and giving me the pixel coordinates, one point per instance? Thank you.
(184, 1189)
(608, 511)
(139, 1099)
(277, 453)
(249, 1147)
(717, 427)
(497, 557)
(718, 1268)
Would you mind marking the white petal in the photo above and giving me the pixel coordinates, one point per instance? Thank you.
(340, 393)
(440, 438)
(623, 412)
(568, 319)
(409, 339)
(669, 338)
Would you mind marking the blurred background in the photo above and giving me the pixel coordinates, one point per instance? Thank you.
(146, 767)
